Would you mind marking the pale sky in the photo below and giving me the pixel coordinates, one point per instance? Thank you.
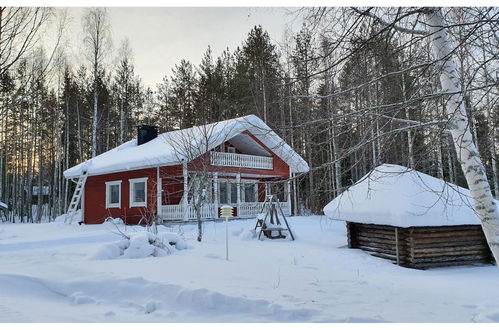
(161, 37)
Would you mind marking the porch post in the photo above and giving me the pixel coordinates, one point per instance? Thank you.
(158, 196)
(185, 198)
(288, 195)
(238, 185)
(215, 193)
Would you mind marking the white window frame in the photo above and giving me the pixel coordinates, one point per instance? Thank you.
(132, 193)
(231, 150)
(110, 205)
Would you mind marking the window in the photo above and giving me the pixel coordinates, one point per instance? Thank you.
(113, 194)
(278, 191)
(249, 193)
(138, 192)
(222, 196)
(233, 192)
(231, 150)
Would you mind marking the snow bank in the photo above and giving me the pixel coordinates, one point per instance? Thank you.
(46, 276)
(397, 196)
(141, 245)
(247, 234)
(134, 299)
(62, 218)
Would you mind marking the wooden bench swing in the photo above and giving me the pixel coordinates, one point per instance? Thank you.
(268, 220)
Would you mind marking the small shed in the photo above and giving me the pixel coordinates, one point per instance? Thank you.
(412, 219)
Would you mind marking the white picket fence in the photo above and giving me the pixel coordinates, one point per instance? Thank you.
(209, 211)
(175, 212)
(249, 209)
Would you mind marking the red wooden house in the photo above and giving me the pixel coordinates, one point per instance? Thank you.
(235, 162)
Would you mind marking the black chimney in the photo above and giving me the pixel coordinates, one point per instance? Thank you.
(146, 133)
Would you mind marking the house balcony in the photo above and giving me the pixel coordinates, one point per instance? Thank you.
(241, 160)
(211, 211)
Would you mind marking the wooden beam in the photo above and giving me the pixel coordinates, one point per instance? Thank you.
(397, 245)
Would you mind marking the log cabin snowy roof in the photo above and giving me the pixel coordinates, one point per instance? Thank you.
(397, 196)
(3, 206)
(171, 148)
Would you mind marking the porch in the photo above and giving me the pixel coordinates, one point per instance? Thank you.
(245, 193)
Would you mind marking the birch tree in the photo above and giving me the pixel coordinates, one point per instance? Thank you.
(97, 42)
(459, 126)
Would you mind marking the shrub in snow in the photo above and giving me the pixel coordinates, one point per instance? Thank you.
(141, 245)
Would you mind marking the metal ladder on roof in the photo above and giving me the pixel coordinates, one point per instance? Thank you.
(75, 200)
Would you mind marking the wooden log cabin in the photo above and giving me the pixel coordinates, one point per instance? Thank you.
(411, 219)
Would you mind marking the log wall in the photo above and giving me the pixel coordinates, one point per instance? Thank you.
(422, 247)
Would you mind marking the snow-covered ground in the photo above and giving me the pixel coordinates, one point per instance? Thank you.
(55, 273)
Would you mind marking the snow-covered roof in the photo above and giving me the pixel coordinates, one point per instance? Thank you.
(171, 148)
(397, 196)
(3, 206)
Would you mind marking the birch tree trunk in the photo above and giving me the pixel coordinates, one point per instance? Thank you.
(467, 152)
(96, 111)
(410, 139)
(494, 164)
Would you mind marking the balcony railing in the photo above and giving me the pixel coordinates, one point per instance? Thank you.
(241, 160)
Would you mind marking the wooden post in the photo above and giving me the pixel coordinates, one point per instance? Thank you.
(159, 191)
(288, 195)
(82, 205)
(215, 193)
(185, 198)
(238, 185)
(397, 245)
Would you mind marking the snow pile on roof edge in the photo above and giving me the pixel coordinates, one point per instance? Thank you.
(397, 196)
(171, 148)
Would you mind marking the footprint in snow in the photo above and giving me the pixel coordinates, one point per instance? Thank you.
(150, 307)
(469, 306)
(78, 298)
(212, 256)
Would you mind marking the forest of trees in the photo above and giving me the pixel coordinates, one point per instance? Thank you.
(349, 91)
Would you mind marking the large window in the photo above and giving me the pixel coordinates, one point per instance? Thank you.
(249, 192)
(228, 191)
(138, 192)
(223, 192)
(113, 194)
(233, 192)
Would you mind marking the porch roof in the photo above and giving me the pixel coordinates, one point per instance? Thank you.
(172, 148)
